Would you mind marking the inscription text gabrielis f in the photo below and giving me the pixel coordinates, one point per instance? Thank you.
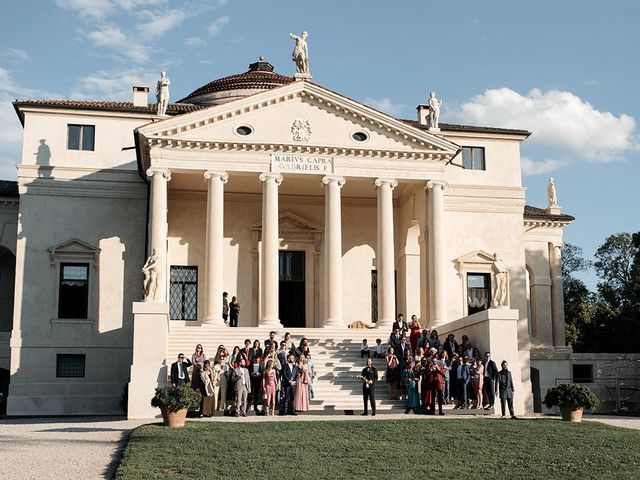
(301, 130)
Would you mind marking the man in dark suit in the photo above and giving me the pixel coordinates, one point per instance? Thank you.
(179, 373)
(270, 340)
(400, 324)
(505, 387)
(246, 351)
(289, 379)
(255, 373)
(462, 380)
(370, 377)
(490, 377)
(394, 341)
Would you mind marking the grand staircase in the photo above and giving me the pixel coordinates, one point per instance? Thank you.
(335, 354)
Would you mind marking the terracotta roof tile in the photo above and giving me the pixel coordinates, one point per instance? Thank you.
(541, 214)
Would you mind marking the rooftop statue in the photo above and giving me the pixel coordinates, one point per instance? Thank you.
(300, 53)
(551, 193)
(162, 93)
(434, 110)
(501, 289)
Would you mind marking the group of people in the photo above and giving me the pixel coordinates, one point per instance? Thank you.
(278, 376)
(427, 371)
(230, 310)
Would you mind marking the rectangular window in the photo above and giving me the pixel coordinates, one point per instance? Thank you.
(81, 137)
(583, 373)
(473, 158)
(70, 366)
(478, 292)
(374, 294)
(183, 293)
(73, 297)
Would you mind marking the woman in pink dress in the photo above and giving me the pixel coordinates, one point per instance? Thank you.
(269, 387)
(301, 398)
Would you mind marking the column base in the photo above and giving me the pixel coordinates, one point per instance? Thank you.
(270, 323)
(333, 323)
(216, 321)
(385, 323)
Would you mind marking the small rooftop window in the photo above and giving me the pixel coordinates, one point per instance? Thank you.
(360, 136)
(244, 130)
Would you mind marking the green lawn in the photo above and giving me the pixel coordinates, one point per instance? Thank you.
(393, 449)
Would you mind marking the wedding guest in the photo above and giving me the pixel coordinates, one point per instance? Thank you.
(410, 380)
(312, 374)
(216, 378)
(207, 402)
(414, 333)
(222, 357)
(288, 384)
(422, 342)
(197, 359)
(234, 311)
(435, 387)
(505, 387)
(269, 387)
(225, 308)
(255, 351)
(301, 397)
(255, 375)
(443, 359)
(179, 373)
(271, 340)
(364, 349)
(400, 324)
(462, 380)
(393, 373)
(369, 376)
(477, 380)
(490, 377)
(434, 340)
(476, 354)
(242, 386)
(234, 359)
(246, 351)
(450, 345)
(379, 353)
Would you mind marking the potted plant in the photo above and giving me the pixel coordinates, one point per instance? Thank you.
(174, 402)
(572, 399)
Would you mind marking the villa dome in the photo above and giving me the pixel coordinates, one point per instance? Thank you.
(259, 77)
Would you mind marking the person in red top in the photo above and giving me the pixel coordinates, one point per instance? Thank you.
(415, 332)
(435, 386)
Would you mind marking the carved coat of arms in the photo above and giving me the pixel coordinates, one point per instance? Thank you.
(301, 130)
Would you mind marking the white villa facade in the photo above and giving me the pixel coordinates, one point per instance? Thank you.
(314, 210)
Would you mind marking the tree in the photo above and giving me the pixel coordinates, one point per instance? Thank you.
(614, 261)
(578, 305)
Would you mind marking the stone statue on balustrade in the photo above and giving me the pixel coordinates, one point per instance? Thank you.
(434, 110)
(151, 274)
(162, 93)
(551, 193)
(300, 54)
(501, 283)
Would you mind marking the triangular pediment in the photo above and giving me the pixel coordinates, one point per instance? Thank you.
(474, 260)
(300, 116)
(74, 246)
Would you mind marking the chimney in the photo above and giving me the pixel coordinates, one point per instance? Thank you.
(423, 114)
(140, 96)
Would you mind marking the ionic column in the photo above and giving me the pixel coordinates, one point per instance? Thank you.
(214, 246)
(333, 250)
(270, 247)
(158, 227)
(385, 252)
(557, 295)
(437, 251)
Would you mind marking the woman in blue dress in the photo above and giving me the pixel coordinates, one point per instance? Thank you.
(410, 379)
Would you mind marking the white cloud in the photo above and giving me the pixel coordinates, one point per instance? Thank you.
(161, 23)
(216, 27)
(533, 167)
(385, 105)
(14, 54)
(112, 37)
(87, 8)
(558, 119)
(114, 85)
(131, 4)
(194, 42)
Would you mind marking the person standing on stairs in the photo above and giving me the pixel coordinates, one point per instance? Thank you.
(369, 379)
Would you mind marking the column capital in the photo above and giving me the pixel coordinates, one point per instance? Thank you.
(165, 172)
(391, 182)
(209, 174)
(270, 176)
(340, 181)
(432, 184)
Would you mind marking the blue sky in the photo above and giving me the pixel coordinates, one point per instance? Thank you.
(567, 71)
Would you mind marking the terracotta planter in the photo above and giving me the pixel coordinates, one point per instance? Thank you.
(174, 419)
(571, 414)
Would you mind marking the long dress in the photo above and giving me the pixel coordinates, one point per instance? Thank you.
(223, 383)
(270, 388)
(414, 336)
(301, 398)
(409, 378)
(198, 362)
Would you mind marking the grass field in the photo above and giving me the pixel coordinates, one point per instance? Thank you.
(393, 449)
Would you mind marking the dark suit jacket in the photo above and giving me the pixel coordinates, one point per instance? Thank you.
(492, 370)
(288, 376)
(370, 373)
(465, 372)
(505, 384)
(174, 371)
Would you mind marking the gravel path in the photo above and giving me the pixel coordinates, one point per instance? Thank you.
(89, 447)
